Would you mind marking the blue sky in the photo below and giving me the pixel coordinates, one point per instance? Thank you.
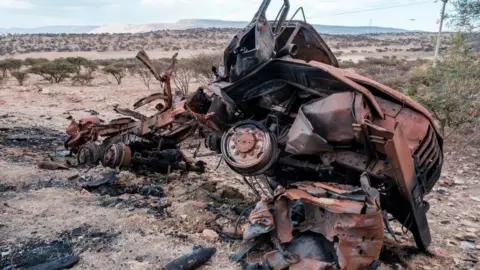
(407, 14)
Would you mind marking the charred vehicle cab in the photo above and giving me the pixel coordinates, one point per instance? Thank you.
(282, 108)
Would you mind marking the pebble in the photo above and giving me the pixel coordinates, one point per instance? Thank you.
(467, 245)
(471, 237)
(443, 191)
(210, 235)
(477, 199)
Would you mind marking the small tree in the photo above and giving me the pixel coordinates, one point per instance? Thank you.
(21, 76)
(181, 78)
(55, 71)
(77, 62)
(34, 61)
(201, 66)
(146, 76)
(449, 89)
(466, 14)
(116, 71)
(10, 65)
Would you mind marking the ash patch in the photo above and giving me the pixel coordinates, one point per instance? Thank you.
(109, 183)
(33, 138)
(62, 252)
(125, 191)
(47, 182)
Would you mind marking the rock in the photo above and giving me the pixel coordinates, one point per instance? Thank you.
(471, 237)
(467, 245)
(397, 266)
(45, 91)
(472, 230)
(477, 199)
(459, 182)
(443, 191)
(445, 222)
(198, 204)
(210, 235)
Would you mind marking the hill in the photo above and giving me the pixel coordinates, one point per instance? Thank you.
(188, 24)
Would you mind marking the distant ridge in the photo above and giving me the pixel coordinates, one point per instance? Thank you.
(59, 29)
(189, 24)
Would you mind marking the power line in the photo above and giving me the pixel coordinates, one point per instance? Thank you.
(394, 5)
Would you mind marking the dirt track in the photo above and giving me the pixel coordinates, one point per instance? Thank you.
(43, 213)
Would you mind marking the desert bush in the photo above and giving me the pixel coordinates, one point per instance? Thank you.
(104, 62)
(55, 71)
(21, 76)
(449, 89)
(90, 67)
(34, 61)
(182, 77)
(201, 66)
(116, 70)
(82, 78)
(77, 62)
(10, 65)
(146, 75)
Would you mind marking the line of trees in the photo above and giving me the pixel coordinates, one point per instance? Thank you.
(81, 70)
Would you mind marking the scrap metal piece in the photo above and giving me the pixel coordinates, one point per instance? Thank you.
(117, 155)
(335, 234)
(260, 221)
(193, 260)
(49, 165)
(90, 154)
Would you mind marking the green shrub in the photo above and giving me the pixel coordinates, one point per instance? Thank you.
(34, 61)
(21, 76)
(55, 71)
(10, 65)
(116, 70)
(449, 89)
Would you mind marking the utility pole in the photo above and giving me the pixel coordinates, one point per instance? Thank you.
(442, 16)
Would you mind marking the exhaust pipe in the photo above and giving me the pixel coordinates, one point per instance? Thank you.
(290, 49)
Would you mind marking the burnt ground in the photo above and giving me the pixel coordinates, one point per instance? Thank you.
(120, 220)
(146, 220)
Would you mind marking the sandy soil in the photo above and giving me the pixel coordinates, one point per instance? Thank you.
(154, 54)
(38, 206)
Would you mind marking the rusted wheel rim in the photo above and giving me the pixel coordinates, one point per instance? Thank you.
(248, 148)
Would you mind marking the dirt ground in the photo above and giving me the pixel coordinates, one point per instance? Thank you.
(47, 212)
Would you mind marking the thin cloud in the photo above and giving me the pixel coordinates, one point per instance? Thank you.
(16, 4)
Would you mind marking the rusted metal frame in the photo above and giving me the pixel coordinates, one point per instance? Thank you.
(429, 148)
(294, 34)
(128, 112)
(303, 14)
(164, 79)
(431, 162)
(425, 143)
(357, 161)
(403, 169)
(339, 75)
(146, 100)
(143, 57)
(395, 94)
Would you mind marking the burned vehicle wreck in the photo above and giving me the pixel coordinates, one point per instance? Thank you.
(282, 108)
(135, 140)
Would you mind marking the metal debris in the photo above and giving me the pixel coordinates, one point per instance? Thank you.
(340, 227)
(281, 109)
(137, 140)
(193, 260)
(49, 165)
